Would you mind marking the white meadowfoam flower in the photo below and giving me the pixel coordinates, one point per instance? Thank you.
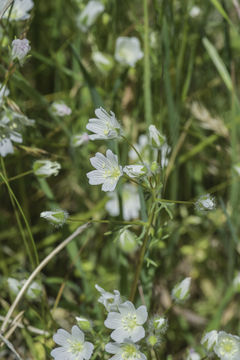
(180, 291)
(20, 49)
(20, 10)
(127, 323)
(135, 171)
(209, 340)
(193, 355)
(110, 301)
(130, 202)
(89, 15)
(33, 290)
(57, 218)
(227, 346)
(205, 202)
(7, 136)
(127, 350)
(72, 346)
(60, 109)
(156, 139)
(46, 168)
(128, 50)
(236, 282)
(105, 126)
(79, 139)
(195, 11)
(4, 92)
(107, 171)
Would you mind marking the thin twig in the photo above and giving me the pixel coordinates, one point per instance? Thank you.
(38, 269)
(31, 328)
(10, 346)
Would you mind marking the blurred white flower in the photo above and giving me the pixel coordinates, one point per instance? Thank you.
(46, 168)
(180, 291)
(156, 139)
(7, 136)
(60, 108)
(57, 217)
(205, 202)
(128, 50)
(236, 282)
(193, 355)
(227, 346)
(195, 11)
(20, 49)
(20, 10)
(33, 290)
(125, 350)
(105, 126)
(130, 200)
(79, 139)
(72, 346)
(209, 340)
(107, 171)
(127, 323)
(110, 301)
(4, 91)
(90, 13)
(135, 171)
(103, 62)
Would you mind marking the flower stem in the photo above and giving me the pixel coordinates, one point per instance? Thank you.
(133, 147)
(138, 222)
(176, 201)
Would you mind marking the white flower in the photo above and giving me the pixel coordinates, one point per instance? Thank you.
(227, 346)
(105, 126)
(4, 91)
(135, 171)
(20, 49)
(46, 168)
(165, 150)
(20, 10)
(60, 108)
(90, 13)
(33, 290)
(57, 217)
(108, 171)
(193, 355)
(127, 350)
(72, 346)
(195, 11)
(236, 282)
(130, 202)
(181, 291)
(209, 340)
(79, 139)
(128, 50)
(7, 136)
(110, 301)
(102, 61)
(156, 139)
(205, 202)
(127, 324)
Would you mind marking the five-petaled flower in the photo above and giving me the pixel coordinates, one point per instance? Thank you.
(127, 323)
(105, 126)
(227, 346)
(127, 350)
(107, 171)
(72, 346)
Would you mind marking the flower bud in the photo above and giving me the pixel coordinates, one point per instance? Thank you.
(46, 168)
(79, 139)
(20, 49)
(205, 202)
(152, 340)
(57, 218)
(180, 291)
(135, 171)
(127, 240)
(209, 340)
(83, 323)
(156, 139)
(160, 324)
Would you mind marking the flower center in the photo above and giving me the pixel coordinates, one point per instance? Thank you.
(130, 353)
(75, 347)
(228, 346)
(113, 173)
(129, 322)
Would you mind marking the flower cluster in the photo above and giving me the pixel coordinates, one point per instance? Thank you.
(225, 346)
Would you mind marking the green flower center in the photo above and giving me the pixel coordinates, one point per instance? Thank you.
(75, 347)
(129, 322)
(228, 346)
(130, 353)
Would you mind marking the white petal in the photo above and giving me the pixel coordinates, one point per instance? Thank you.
(142, 314)
(126, 308)
(77, 333)
(111, 156)
(113, 320)
(109, 185)
(137, 334)
(61, 337)
(95, 177)
(88, 349)
(59, 354)
(112, 348)
(119, 335)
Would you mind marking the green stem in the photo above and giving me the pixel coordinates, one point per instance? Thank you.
(176, 201)
(133, 147)
(34, 259)
(138, 222)
(141, 255)
(18, 176)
